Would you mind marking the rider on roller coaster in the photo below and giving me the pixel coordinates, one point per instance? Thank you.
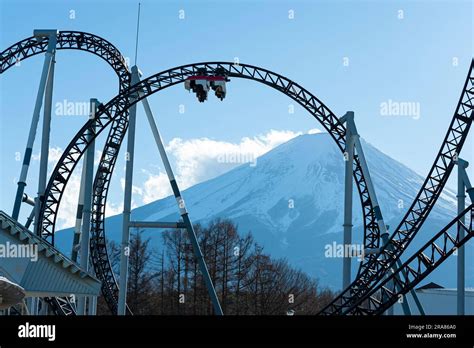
(201, 83)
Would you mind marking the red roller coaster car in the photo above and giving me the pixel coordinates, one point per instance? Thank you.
(202, 83)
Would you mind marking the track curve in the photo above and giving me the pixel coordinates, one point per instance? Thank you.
(116, 111)
(372, 272)
(73, 40)
(417, 267)
(118, 105)
(76, 40)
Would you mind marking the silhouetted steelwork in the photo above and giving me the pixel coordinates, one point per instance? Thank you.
(371, 273)
(117, 106)
(61, 305)
(420, 208)
(76, 40)
(374, 266)
(418, 266)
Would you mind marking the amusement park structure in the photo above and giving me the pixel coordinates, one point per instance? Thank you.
(386, 274)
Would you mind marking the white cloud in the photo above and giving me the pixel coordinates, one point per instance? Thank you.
(68, 207)
(54, 154)
(155, 187)
(275, 138)
(113, 209)
(97, 157)
(197, 160)
(193, 161)
(315, 131)
(135, 189)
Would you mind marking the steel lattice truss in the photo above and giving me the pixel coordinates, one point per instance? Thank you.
(361, 293)
(61, 305)
(418, 266)
(371, 273)
(98, 245)
(74, 40)
(90, 43)
(114, 110)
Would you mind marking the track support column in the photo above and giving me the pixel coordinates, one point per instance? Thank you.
(351, 129)
(88, 174)
(182, 210)
(461, 260)
(48, 61)
(348, 189)
(125, 247)
(79, 213)
(45, 137)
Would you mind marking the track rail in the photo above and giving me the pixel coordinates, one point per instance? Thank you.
(61, 305)
(417, 267)
(372, 272)
(73, 40)
(115, 109)
(373, 268)
(76, 40)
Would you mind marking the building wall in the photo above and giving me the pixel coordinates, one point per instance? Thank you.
(439, 301)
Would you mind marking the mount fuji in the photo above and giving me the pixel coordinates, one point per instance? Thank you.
(291, 200)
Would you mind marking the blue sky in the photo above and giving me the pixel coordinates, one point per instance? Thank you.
(403, 51)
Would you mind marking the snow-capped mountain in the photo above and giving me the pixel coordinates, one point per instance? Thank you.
(292, 201)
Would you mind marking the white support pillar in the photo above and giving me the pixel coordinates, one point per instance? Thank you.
(467, 183)
(31, 217)
(348, 189)
(32, 304)
(44, 307)
(351, 129)
(48, 61)
(76, 246)
(461, 259)
(127, 202)
(29, 305)
(182, 210)
(92, 308)
(86, 216)
(43, 171)
(381, 223)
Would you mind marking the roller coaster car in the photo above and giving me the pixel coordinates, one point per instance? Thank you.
(202, 83)
(218, 86)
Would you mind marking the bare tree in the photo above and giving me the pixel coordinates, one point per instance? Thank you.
(247, 280)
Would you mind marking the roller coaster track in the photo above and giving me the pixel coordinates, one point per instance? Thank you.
(367, 282)
(117, 106)
(372, 272)
(72, 40)
(75, 40)
(417, 267)
(61, 305)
